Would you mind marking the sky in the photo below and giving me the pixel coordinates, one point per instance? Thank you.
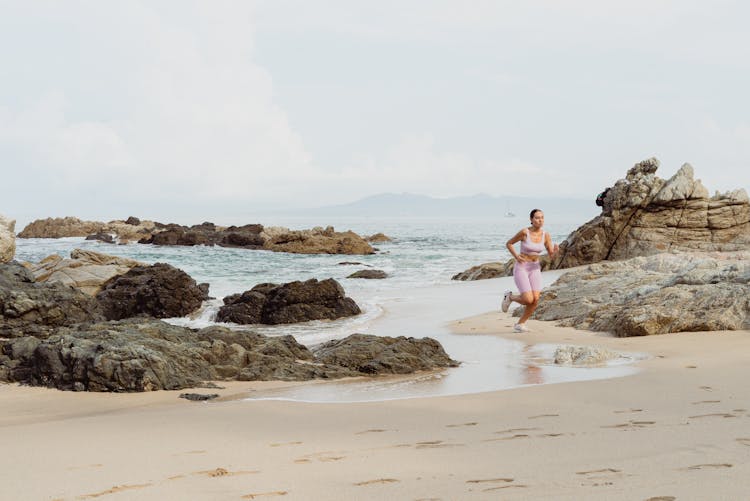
(186, 111)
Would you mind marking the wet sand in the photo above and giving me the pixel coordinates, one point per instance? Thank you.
(679, 428)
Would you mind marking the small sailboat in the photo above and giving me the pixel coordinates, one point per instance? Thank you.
(508, 212)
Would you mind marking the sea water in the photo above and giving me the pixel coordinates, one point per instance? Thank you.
(417, 299)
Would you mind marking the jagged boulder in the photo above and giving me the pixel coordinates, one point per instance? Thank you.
(653, 295)
(288, 303)
(582, 355)
(315, 241)
(30, 308)
(384, 355)
(86, 270)
(644, 215)
(7, 239)
(159, 291)
(484, 271)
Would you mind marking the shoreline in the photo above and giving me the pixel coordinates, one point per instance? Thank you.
(676, 428)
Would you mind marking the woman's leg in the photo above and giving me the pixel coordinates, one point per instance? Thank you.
(521, 278)
(531, 298)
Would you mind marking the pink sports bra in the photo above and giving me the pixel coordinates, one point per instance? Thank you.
(532, 248)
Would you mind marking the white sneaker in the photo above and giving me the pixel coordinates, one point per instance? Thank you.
(521, 328)
(506, 301)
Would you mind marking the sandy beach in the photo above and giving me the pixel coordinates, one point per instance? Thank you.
(678, 429)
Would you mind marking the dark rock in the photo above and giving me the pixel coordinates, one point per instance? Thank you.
(102, 237)
(384, 355)
(29, 308)
(288, 303)
(132, 220)
(198, 397)
(138, 355)
(371, 274)
(160, 291)
(352, 263)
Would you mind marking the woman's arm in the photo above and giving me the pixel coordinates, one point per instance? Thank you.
(509, 245)
(551, 249)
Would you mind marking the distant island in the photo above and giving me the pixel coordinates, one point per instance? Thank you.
(481, 205)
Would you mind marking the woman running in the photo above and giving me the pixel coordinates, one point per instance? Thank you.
(527, 271)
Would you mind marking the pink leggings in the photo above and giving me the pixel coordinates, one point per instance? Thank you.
(528, 276)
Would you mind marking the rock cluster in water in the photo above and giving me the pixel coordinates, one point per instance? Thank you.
(317, 240)
(288, 303)
(653, 295)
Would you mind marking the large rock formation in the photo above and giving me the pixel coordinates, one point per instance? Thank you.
(85, 270)
(644, 215)
(315, 241)
(384, 355)
(653, 295)
(159, 291)
(28, 308)
(288, 303)
(153, 355)
(7, 239)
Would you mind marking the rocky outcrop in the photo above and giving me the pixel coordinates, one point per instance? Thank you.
(288, 303)
(28, 308)
(315, 241)
(653, 295)
(484, 271)
(384, 355)
(369, 274)
(582, 355)
(378, 238)
(74, 227)
(247, 236)
(7, 239)
(159, 291)
(85, 270)
(644, 215)
(153, 355)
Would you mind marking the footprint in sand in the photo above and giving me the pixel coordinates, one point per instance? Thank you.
(706, 388)
(715, 414)
(743, 441)
(706, 402)
(323, 457)
(516, 430)
(492, 480)
(377, 481)
(601, 477)
(460, 424)
(630, 425)
(628, 411)
(543, 416)
(261, 494)
(222, 472)
(435, 444)
(374, 430)
(708, 466)
(661, 498)
(282, 444)
(113, 490)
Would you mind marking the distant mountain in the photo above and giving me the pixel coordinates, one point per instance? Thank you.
(481, 205)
